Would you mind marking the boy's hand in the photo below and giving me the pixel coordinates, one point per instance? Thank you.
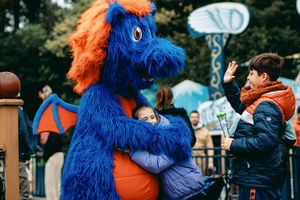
(226, 144)
(229, 74)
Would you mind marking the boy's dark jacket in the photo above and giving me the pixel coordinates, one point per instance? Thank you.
(260, 155)
(180, 112)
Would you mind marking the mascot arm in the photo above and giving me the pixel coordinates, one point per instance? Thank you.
(101, 109)
(173, 140)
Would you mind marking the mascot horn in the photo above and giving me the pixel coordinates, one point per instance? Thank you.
(116, 54)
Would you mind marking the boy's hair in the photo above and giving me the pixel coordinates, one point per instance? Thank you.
(135, 111)
(298, 110)
(269, 63)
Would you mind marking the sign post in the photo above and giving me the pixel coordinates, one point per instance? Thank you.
(217, 21)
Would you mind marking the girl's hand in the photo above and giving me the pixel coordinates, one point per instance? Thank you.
(229, 74)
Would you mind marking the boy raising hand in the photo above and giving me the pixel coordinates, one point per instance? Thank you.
(265, 105)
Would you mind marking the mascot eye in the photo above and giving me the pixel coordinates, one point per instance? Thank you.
(137, 34)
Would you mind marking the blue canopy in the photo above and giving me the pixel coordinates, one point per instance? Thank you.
(190, 95)
(291, 83)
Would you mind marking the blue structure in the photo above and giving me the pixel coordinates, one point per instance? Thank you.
(190, 95)
(217, 21)
(216, 43)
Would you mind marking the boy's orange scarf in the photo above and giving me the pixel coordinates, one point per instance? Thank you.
(248, 95)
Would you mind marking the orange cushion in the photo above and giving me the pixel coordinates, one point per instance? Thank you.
(133, 182)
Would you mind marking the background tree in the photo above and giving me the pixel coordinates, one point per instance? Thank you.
(25, 28)
(33, 41)
(274, 27)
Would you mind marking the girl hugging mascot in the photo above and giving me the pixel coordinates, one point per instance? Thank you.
(116, 53)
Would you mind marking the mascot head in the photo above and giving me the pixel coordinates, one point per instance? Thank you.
(116, 44)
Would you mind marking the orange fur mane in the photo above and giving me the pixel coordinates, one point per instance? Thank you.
(90, 41)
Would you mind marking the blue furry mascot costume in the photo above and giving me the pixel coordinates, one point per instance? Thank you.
(116, 53)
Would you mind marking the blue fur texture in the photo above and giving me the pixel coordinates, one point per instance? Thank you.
(131, 65)
(103, 126)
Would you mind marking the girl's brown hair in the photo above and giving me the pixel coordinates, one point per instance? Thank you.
(164, 98)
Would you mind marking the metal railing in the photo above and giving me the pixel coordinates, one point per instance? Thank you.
(222, 165)
(37, 166)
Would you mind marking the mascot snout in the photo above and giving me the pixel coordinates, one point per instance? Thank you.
(163, 58)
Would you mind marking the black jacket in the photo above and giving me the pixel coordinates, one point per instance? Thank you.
(53, 145)
(26, 138)
(180, 112)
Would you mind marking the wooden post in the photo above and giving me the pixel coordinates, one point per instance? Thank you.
(9, 143)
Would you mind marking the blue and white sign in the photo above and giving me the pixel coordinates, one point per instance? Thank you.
(224, 17)
(217, 21)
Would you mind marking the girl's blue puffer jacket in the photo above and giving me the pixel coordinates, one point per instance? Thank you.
(179, 180)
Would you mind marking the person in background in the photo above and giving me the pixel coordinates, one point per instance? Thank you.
(165, 106)
(296, 126)
(259, 148)
(27, 147)
(296, 152)
(53, 156)
(203, 140)
(189, 179)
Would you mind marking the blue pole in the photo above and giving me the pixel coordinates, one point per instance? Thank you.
(216, 43)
